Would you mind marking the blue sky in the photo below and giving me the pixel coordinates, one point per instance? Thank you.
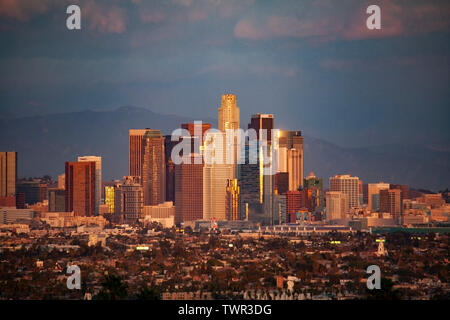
(313, 64)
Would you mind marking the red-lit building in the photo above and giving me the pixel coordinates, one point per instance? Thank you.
(80, 188)
(188, 192)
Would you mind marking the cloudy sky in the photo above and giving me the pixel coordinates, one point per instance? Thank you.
(313, 64)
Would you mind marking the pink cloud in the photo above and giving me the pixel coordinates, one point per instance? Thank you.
(148, 16)
(104, 19)
(23, 10)
(196, 15)
(326, 22)
(246, 29)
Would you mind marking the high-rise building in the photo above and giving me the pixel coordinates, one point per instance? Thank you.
(215, 181)
(110, 198)
(279, 209)
(232, 200)
(8, 174)
(348, 185)
(188, 191)
(281, 182)
(314, 185)
(403, 187)
(216, 173)
(391, 202)
(62, 181)
(268, 198)
(80, 188)
(153, 172)
(336, 205)
(170, 168)
(251, 187)
(56, 200)
(228, 113)
(197, 132)
(293, 205)
(136, 149)
(261, 121)
(128, 201)
(98, 178)
(291, 157)
(373, 194)
(34, 191)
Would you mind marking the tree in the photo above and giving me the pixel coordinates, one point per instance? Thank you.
(385, 293)
(113, 288)
(147, 293)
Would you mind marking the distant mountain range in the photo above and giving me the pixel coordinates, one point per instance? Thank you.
(45, 142)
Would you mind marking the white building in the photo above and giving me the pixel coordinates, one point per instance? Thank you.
(336, 205)
(348, 185)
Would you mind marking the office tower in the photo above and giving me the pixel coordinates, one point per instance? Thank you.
(373, 194)
(348, 185)
(293, 205)
(216, 174)
(261, 121)
(8, 174)
(20, 200)
(215, 180)
(136, 149)
(268, 198)
(403, 187)
(291, 157)
(98, 178)
(80, 188)
(34, 191)
(153, 172)
(366, 194)
(251, 187)
(336, 205)
(232, 200)
(360, 193)
(294, 160)
(228, 113)
(61, 181)
(170, 168)
(391, 202)
(128, 201)
(281, 182)
(188, 191)
(110, 197)
(314, 186)
(197, 132)
(279, 209)
(56, 200)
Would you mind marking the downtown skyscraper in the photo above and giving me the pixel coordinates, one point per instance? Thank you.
(153, 175)
(228, 113)
(98, 178)
(80, 188)
(8, 174)
(349, 185)
(147, 163)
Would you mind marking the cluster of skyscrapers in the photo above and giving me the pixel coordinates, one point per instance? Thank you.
(158, 186)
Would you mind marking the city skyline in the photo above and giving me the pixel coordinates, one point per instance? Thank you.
(255, 151)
